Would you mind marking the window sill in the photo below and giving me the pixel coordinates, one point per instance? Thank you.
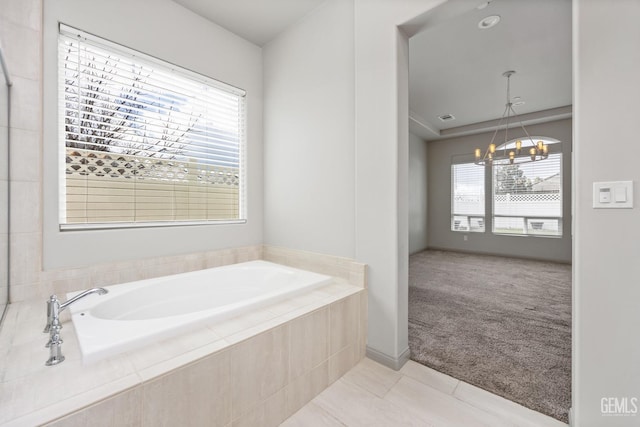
(150, 224)
(527, 235)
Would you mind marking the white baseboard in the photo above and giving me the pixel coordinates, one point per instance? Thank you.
(394, 363)
(571, 416)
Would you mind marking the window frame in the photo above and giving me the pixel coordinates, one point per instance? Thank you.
(145, 59)
(480, 218)
(555, 148)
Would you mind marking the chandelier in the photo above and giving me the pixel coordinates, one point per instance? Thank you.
(524, 150)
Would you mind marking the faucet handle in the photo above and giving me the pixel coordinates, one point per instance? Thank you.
(50, 313)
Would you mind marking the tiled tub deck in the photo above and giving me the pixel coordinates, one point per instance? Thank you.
(255, 369)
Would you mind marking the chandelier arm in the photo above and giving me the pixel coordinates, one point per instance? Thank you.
(522, 126)
(506, 129)
(491, 156)
(508, 109)
(495, 133)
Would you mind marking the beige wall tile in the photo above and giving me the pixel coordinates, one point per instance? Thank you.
(25, 208)
(259, 367)
(196, 395)
(358, 274)
(62, 286)
(21, 45)
(192, 262)
(4, 193)
(320, 263)
(213, 259)
(159, 369)
(234, 325)
(19, 293)
(344, 323)
(75, 279)
(364, 324)
(26, 107)
(25, 156)
(309, 342)
(341, 362)
(304, 388)
(26, 259)
(122, 410)
(174, 347)
(27, 13)
(269, 413)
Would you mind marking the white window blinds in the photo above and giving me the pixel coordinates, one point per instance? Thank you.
(144, 142)
(527, 198)
(467, 197)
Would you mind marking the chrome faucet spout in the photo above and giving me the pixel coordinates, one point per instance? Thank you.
(54, 307)
(99, 291)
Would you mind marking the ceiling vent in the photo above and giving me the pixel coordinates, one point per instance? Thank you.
(446, 117)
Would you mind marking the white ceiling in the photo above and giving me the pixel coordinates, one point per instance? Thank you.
(258, 21)
(456, 68)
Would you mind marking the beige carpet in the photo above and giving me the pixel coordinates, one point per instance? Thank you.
(501, 324)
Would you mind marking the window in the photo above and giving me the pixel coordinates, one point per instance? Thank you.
(143, 142)
(527, 198)
(467, 204)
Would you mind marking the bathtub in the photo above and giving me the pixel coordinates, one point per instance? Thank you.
(135, 314)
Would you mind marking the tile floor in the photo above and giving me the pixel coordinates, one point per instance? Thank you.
(373, 395)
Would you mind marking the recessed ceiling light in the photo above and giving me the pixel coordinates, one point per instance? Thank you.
(488, 22)
(446, 117)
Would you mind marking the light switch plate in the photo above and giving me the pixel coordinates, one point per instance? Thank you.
(613, 195)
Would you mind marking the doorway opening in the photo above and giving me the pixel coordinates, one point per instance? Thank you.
(489, 284)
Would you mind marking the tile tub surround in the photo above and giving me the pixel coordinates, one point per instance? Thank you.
(353, 272)
(44, 283)
(261, 366)
(61, 281)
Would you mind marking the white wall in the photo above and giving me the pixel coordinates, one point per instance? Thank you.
(382, 139)
(4, 185)
(174, 34)
(418, 200)
(309, 133)
(317, 163)
(440, 234)
(607, 242)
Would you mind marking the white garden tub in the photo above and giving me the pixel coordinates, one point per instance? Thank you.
(134, 314)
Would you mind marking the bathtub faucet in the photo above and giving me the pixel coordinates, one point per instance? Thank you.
(54, 307)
